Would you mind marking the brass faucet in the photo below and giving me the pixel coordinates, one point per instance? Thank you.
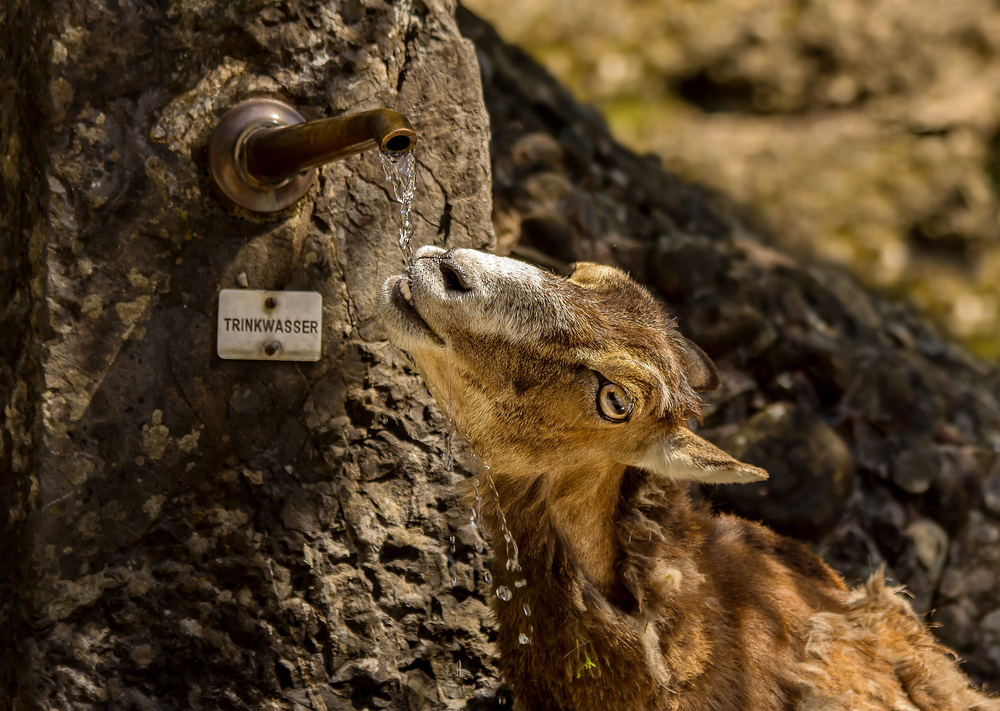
(264, 154)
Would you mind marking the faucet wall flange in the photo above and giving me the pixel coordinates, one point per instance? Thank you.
(227, 157)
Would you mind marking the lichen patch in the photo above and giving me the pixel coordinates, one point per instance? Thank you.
(155, 437)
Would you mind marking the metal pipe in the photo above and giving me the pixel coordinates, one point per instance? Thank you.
(273, 154)
(263, 154)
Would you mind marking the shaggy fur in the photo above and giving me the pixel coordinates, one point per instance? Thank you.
(637, 599)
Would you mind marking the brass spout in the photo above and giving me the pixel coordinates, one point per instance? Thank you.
(263, 154)
(273, 154)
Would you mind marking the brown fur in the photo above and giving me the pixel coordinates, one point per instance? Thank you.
(638, 599)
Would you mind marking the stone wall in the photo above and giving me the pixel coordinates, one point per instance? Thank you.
(185, 532)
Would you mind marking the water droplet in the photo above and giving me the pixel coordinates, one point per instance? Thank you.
(488, 577)
(520, 583)
(400, 171)
(523, 638)
(504, 593)
(526, 609)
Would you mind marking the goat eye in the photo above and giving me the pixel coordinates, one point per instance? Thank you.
(613, 403)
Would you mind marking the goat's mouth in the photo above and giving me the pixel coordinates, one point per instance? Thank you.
(407, 317)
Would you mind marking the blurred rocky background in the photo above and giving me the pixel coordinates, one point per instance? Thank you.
(861, 132)
(882, 439)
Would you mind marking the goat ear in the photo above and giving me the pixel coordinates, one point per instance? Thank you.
(685, 455)
(590, 275)
(700, 369)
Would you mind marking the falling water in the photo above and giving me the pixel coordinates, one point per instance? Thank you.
(512, 561)
(400, 171)
(451, 560)
(510, 545)
(475, 518)
(449, 435)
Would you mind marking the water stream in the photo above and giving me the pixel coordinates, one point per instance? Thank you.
(513, 563)
(475, 518)
(401, 172)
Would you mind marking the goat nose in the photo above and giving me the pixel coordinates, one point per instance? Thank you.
(428, 251)
(455, 278)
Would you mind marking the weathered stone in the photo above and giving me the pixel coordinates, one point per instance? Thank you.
(991, 492)
(921, 561)
(810, 467)
(220, 522)
(916, 469)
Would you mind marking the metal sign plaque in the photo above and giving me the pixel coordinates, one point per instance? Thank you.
(270, 325)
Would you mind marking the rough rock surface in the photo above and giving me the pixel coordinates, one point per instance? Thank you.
(184, 532)
(905, 427)
(181, 532)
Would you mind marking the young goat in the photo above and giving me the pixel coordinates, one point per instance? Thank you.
(577, 392)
